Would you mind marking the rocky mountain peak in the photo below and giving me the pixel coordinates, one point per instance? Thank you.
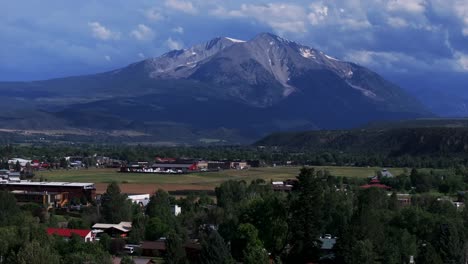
(218, 89)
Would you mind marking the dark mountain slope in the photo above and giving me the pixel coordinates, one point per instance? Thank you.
(248, 88)
(395, 142)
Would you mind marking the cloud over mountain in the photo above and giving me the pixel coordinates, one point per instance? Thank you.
(417, 34)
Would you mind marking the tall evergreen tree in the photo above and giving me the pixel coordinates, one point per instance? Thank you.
(450, 243)
(175, 250)
(8, 207)
(159, 206)
(214, 250)
(306, 217)
(115, 205)
(253, 251)
(428, 255)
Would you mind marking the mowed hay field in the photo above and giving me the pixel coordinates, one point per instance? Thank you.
(148, 183)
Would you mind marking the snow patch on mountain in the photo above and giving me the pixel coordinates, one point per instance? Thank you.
(307, 53)
(235, 40)
(331, 58)
(364, 91)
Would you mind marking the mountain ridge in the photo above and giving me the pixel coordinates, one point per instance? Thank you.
(253, 87)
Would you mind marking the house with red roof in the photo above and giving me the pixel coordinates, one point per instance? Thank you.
(375, 183)
(85, 234)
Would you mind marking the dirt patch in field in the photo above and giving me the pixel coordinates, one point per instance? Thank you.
(151, 188)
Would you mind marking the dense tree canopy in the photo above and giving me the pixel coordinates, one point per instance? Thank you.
(115, 205)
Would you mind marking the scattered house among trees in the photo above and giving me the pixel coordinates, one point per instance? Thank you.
(284, 186)
(159, 248)
(386, 174)
(376, 184)
(153, 248)
(22, 162)
(136, 260)
(328, 242)
(141, 199)
(239, 165)
(280, 186)
(86, 234)
(46, 199)
(75, 190)
(404, 199)
(4, 174)
(114, 230)
(175, 167)
(176, 210)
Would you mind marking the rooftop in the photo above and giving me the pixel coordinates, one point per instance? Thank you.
(71, 184)
(122, 226)
(65, 232)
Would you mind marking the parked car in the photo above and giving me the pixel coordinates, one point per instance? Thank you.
(129, 249)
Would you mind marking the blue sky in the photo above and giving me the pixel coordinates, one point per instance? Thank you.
(55, 38)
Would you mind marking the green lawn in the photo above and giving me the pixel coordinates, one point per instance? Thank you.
(206, 178)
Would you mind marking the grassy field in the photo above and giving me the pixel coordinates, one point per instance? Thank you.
(206, 179)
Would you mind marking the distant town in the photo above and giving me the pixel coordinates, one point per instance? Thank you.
(72, 203)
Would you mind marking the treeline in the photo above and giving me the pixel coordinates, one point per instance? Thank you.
(265, 155)
(252, 224)
(393, 142)
(436, 147)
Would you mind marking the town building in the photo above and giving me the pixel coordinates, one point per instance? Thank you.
(158, 249)
(376, 184)
(141, 199)
(175, 167)
(22, 162)
(73, 190)
(67, 233)
(114, 230)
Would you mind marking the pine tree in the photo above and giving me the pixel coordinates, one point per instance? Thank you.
(175, 250)
(306, 219)
(159, 206)
(115, 205)
(215, 250)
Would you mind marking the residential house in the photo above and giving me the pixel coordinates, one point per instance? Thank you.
(114, 230)
(141, 199)
(86, 234)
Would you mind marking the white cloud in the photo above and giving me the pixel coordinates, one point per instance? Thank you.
(107, 58)
(386, 60)
(354, 24)
(142, 32)
(184, 6)
(318, 14)
(397, 22)
(404, 62)
(465, 32)
(224, 13)
(101, 32)
(174, 45)
(410, 6)
(280, 17)
(179, 30)
(141, 55)
(153, 14)
(461, 61)
(461, 9)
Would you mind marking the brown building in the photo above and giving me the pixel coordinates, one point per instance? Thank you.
(74, 190)
(158, 249)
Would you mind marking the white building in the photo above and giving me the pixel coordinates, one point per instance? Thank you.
(141, 199)
(22, 162)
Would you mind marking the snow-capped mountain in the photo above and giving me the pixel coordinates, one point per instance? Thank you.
(246, 88)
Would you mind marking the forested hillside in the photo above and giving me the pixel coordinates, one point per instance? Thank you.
(393, 142)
